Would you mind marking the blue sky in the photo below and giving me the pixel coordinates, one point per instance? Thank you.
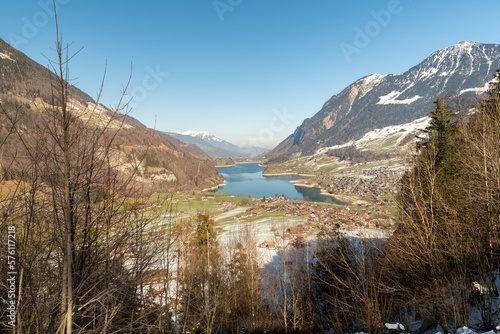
(248, 71)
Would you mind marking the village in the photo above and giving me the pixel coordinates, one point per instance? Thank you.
(373, 183)
(375, 186)
(319, 216)
(314, 219)
(282, 222)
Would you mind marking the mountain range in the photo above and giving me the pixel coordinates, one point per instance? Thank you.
(215, 147)
(166, 163)
(377, 101)
(373, 107)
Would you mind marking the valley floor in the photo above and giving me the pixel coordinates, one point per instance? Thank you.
(280, 220)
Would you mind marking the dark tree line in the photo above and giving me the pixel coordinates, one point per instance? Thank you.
(351, 153)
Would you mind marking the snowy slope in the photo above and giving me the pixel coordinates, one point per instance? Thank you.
(380, 100)
(387, 139)
(214, 146)
(200, 134)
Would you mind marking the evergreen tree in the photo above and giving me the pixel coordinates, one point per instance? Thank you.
(442, 125)
(491, 105)
(494, 90)
(207, 238)
(449, 208)
(438, 157)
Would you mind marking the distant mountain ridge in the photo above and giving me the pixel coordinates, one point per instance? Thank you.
(381, 100)
(166, 161)
(215, 147)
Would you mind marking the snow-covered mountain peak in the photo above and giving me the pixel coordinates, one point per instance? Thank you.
(463, 59)
(373, 78)
(377, 101)
(216, 147)
(199, 134)
(458, 49)
(471, 51)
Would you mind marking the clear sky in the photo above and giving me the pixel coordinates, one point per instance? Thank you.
(248, 71)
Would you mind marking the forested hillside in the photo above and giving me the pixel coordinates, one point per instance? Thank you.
(27, 90)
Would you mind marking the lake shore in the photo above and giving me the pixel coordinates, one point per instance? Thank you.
(348, 199)
(300, 183)
(305, 183)
(249, 162)
(215, 187)
(225, 166)
(241, 163)
(287, 174)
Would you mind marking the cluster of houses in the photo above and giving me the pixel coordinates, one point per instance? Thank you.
(145, 207)
(321, 215)
(225, 205)
(373, 217)
(318, 218)
(375, 182)
(268, 244)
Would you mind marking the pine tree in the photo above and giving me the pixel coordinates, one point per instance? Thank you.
(442, 124)
(491, 105)
(207, 238)
(438, 156)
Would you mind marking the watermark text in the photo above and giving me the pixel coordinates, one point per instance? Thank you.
(223, 6)
(11, 276)
(31, 25)
(365, 35)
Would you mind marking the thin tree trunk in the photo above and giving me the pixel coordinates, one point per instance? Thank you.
(67, 305)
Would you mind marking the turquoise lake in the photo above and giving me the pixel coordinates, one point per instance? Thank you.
(247, 179)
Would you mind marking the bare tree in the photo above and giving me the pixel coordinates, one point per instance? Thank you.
(203, 278)
(85, 237)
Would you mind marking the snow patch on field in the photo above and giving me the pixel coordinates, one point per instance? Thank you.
(386, 138)
(263, 229)
(326, 149)
(392, 96)
(399, 130)
(96, 108)
(396, 326)
(97, 115)
(479, 90)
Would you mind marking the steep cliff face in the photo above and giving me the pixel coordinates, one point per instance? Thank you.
(380, 100)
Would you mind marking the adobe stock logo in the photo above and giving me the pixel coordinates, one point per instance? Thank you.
(372, 29)
(223, 6)
(277, 124)
(31, 26)
(151, 81)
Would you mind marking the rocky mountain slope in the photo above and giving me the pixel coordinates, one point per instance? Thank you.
(215, 147)
(166, 164)
(380, 100)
